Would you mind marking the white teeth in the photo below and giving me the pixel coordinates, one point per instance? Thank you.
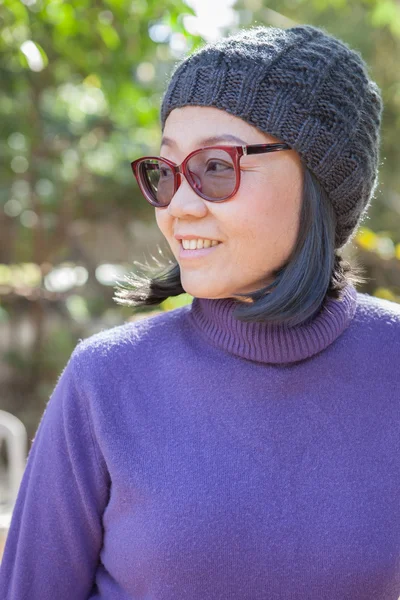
(198, 244)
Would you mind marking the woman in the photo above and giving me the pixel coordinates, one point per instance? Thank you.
(246, 446)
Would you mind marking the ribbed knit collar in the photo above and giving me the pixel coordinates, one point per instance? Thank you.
(272, 343)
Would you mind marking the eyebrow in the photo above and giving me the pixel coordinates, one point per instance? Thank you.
(166, 141)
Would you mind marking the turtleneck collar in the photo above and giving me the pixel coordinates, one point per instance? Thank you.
(268, 343)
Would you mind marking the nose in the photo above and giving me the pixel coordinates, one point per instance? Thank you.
(193, 180)
(186, 200)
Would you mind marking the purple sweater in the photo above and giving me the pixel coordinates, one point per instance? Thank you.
(189, 456)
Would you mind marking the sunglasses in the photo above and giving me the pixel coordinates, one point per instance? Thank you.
(212, 172)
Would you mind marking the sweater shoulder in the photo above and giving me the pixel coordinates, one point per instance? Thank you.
(378, 315)
(378, 310)
(139, 337)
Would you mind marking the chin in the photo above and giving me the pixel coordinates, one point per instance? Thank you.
(203, 292)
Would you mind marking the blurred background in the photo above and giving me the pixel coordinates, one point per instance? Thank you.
(81, 85)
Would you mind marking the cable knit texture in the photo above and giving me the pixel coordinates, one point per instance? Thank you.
(187, 456)
(305, 87)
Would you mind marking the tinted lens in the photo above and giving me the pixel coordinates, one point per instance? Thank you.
(211, 172)
(158, 180)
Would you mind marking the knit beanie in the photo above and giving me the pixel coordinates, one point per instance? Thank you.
(304, 87)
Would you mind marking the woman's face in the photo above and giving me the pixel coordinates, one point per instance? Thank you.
(258, 226)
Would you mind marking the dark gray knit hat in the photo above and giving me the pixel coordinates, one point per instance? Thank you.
(304, 87)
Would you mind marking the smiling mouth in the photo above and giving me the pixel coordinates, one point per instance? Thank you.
(211, 245)
(197, 252)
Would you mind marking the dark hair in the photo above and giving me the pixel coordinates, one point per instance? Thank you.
(314, 270)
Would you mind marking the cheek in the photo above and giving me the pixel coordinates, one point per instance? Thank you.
(162, 220)
(276, 204)
(256, 216)
(266, 226)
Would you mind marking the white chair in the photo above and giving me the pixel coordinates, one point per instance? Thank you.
(13, 433)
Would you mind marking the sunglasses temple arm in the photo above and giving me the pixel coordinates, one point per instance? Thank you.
(262, 150)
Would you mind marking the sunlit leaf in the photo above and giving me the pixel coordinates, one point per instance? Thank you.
(366, 238)
(109, 35)
(176, 301)
(384, 293)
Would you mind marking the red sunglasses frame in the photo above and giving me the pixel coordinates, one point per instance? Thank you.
(235, 152)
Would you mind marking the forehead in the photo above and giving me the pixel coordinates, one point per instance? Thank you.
(190, 126)
(205, 141)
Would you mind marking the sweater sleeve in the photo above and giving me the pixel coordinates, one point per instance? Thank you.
(55, 537)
